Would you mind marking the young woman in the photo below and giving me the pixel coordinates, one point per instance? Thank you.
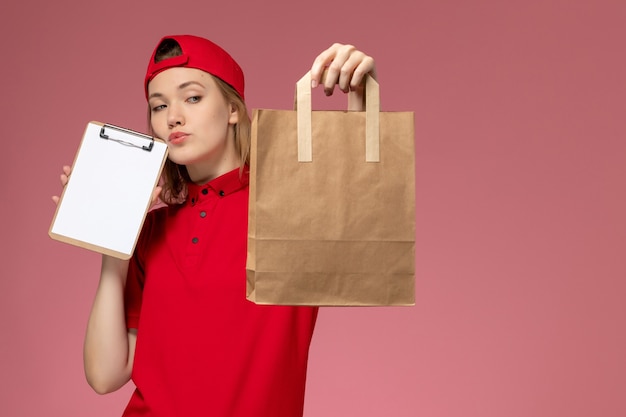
(175, 318)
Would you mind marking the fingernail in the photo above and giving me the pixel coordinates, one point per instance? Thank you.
(313, 83)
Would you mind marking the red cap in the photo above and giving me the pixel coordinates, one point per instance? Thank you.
(201, 54)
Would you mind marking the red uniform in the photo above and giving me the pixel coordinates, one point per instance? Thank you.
(202, 348)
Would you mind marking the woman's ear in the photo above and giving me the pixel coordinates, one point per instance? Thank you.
(234, 114)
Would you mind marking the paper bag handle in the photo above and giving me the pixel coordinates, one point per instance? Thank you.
(372, 110)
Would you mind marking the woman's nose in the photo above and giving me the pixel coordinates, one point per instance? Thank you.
(175, 116)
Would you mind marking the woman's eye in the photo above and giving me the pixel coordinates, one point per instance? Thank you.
(159, 107)
(194, 99)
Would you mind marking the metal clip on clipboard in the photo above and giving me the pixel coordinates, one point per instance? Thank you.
(148, 147)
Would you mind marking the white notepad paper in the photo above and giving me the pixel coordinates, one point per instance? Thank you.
(109, 192)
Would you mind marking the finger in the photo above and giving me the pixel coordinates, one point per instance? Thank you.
(364, 66)
(349, 78)
(340, 68)
(155, 195)
(353, 71)
(321, 62)
(55, 198)
(65, 175)
(156, 192)
(64, 179)
(346, 67)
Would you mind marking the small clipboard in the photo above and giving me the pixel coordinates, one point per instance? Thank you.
(109, 191)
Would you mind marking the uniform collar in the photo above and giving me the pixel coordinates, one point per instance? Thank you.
(221, 186)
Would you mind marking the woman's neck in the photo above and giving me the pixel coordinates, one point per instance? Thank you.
(203, 172)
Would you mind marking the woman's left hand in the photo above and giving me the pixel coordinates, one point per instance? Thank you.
(346, 67)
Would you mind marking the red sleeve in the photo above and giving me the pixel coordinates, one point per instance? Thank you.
(132, 296)
(133, 291)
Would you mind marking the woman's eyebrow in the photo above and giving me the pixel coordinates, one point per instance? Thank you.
(188, 83)
(180, 87)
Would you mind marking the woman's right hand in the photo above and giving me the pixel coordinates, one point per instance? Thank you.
(64, 179)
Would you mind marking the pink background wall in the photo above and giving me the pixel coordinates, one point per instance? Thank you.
(520, 211)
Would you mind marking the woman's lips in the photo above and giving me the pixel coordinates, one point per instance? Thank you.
(177, 137)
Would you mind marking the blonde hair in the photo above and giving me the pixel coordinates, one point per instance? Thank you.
(175, 177)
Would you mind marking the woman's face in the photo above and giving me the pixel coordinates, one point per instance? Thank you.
(189, 112)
